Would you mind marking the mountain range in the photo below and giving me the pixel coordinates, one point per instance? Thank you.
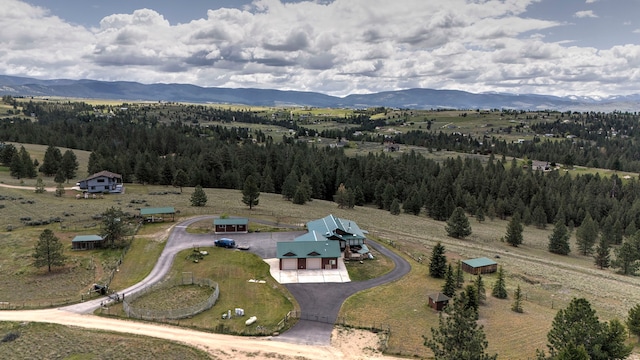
(407, 99)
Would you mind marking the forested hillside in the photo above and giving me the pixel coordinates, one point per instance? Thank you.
(174, 148)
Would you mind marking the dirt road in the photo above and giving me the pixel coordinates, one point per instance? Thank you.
(220, 346)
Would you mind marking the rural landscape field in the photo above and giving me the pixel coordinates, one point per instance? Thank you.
(548, 281)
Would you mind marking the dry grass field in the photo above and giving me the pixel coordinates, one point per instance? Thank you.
(49, 341)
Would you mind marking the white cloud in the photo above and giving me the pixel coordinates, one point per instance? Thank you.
(339, 47)
(585, 14)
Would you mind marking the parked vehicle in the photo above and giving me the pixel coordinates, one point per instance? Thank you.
(225, 243)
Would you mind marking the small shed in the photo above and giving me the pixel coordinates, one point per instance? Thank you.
(231, 225)
(438, 301)
(87, 242)
(481, 265)
(154, 214)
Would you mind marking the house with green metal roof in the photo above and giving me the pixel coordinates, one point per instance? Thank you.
(311, 251)
(87, 242)
(231, 225)
(481, 265)
(154, 214)
(346, 232)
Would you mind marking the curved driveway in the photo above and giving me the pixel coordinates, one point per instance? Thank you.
(321, 301)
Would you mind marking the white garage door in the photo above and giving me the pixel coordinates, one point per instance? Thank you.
(314, 264)
(289, 264)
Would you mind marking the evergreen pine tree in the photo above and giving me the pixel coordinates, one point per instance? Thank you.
(499, 287)
(449, 287)
(586, 235)
(69, 164)
(491, 211)
(633, 320)
(395, 207)
(180, 179)
(59, 190)
(539, 217)
(438, 263)
(517, 301)
(578, 324)
(459, 275)
(387, 196)
(559, 239)
(471, 298)
(16, 168)
(458, 336)
(113, 226)
(482, 293)
(59, 178)
(250, 192)
(479, 214)
(458, 224)
(290, 186)
(603, 254)
(198, 198)
(51, 161)
(40, 186)
(341, 197)
(48, 251)
(267, 185)
(626, 258)
(166, 175)
(514, 231)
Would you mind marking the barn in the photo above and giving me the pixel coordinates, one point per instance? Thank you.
(231, 225)
(438, 301)
(87, 242)
(481, 265)
(313, 252)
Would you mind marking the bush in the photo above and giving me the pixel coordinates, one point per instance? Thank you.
(10, 337)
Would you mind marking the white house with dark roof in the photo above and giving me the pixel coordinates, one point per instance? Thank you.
(103, 181)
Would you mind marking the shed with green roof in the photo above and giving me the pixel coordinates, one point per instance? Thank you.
(481, 265)
(233, 225)
(87, 242)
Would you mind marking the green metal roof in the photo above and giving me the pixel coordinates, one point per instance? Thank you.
(308, 249)
(83, 238)
(231, 221)
(479, 262)
(331, 226)
(160, 210)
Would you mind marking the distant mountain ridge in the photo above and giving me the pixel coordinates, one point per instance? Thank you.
(410, 98)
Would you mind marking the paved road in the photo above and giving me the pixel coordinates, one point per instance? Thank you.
(321, 301)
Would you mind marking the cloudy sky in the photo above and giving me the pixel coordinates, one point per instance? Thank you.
(337, 47)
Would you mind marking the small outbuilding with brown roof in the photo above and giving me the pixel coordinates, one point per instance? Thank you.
(438, 301)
